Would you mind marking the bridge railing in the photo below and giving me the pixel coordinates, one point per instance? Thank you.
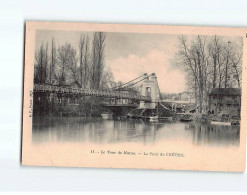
(86, 91)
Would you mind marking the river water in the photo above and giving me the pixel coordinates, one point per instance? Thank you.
(99, 131)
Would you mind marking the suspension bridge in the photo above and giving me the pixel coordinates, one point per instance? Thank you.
(147, 97)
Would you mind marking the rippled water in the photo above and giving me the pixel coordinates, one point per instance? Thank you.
(97, 130)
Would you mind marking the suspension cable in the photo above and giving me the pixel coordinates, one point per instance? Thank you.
(114, 88)
(136, 82)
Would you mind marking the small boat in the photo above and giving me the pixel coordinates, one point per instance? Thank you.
(169, 118)
(220, 123)
(186, 118)
(153, 118)
(157, 118)
(222, 119)
(106, 116)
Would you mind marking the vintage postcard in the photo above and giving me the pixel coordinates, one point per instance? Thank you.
(134, 96)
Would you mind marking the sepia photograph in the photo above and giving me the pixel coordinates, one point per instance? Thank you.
(148, 99)
(123, 96)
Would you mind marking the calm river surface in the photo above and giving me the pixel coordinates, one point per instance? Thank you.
(99, 131)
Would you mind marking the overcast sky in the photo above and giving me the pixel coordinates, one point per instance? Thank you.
(132, 54)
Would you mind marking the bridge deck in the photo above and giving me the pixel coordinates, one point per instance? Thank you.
(89, 92)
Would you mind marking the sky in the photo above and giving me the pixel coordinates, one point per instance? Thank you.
(129, 55)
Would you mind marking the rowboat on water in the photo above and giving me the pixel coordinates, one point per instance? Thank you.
(158, 118)
(225, 120)
(220, 123)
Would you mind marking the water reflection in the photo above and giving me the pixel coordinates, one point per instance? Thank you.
(97, 130)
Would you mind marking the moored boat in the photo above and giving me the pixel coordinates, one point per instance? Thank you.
(153, 118)
(186, 118)
(225, 119)
(170, 118)
(220, 123)
(158, 118)
(106, 116)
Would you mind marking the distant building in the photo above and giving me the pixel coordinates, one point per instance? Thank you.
(225, 101)
(185, 96)
(181, 102)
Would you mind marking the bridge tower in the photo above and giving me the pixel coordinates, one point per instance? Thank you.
(150, 88)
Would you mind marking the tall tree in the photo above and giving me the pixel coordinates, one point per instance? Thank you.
(98, 46)
(227, 61)
(209, 63)
(41, 61)
(215, 50)
(84, 56)
(67, 61)
(236, 62)
(53, 60)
